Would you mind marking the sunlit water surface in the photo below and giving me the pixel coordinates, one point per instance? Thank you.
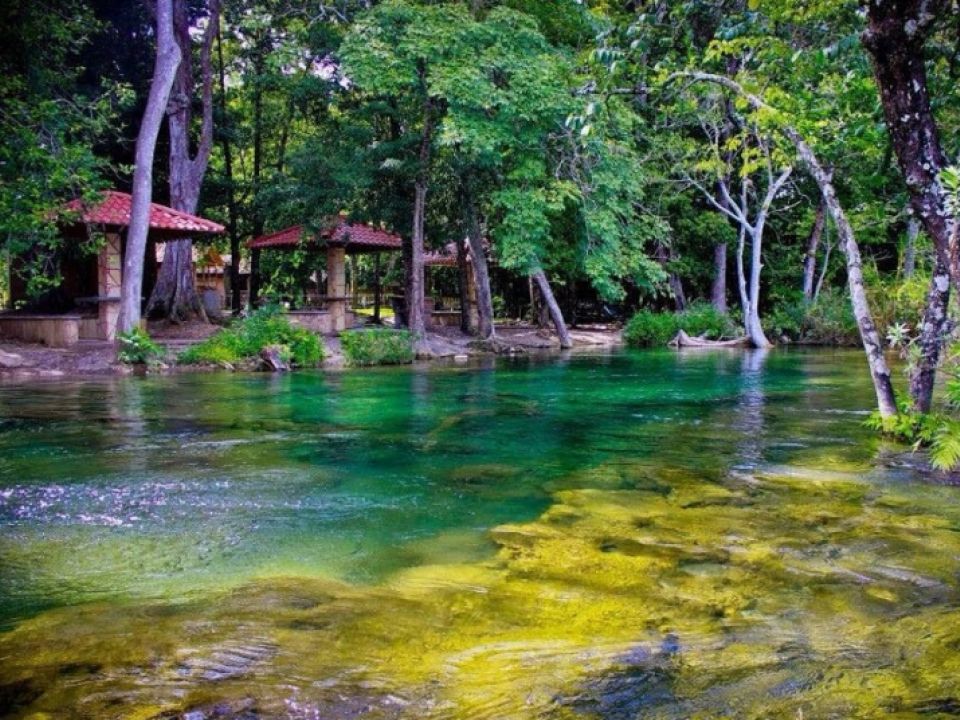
(630, 535)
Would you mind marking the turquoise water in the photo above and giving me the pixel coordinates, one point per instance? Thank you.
(392, 499)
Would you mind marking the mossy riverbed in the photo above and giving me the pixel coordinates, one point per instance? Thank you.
(614, 536)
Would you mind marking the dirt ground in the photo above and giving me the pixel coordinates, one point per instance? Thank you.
(21, 361)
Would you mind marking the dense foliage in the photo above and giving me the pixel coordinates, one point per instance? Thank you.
(377, 347)
(245, 338)
(649, 328)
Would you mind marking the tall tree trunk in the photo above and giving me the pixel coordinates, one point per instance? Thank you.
(285, 135)
(175, 293)
(164, 71)
(872, 345)
(752, 319)
(236, 299)
(481, 272)
(664, 256)
(813, 245)
(415, 290)
(750, 293)
(676, 288)
(543, 285)
(934, 328)
(895, 38)
(824, 267)
(718, 290)
(910, 251)
(741, 276)
(257, 224)
(463, 286)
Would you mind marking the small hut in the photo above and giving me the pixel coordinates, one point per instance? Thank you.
(86, 304)
(341, 239)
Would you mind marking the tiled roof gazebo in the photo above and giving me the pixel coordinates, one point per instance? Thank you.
(90, 287)
(340, 239)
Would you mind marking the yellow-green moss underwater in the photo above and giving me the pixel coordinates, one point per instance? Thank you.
(638, 536)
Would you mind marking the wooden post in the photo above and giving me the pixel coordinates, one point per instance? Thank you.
(109, 276)
(376, 288)
(354, 287)
(337, 287)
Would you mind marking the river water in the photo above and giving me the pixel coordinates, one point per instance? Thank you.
(624, 535)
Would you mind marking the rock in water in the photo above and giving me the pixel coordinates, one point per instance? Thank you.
(272, 358)
(229, 660)
(11, 360)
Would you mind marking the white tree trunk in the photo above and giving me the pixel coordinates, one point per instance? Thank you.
(872, 345)
(164, 71)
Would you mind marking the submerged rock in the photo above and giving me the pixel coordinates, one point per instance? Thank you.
(228, 660)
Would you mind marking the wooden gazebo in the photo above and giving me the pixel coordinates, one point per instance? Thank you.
(87, 302)
(339, 239)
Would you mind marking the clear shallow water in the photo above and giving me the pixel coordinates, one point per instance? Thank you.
(615, 536)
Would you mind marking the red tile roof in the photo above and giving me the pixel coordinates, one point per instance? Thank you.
(353, 236)
(114, 210)
(289, 237)
(447, 255)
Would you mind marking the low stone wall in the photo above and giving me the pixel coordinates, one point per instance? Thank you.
(51, 330)
(445, 318)
(318, 321)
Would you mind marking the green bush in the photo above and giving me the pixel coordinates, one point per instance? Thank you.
(830, 320)
(653, 329)
(136, 348)
(827, 321)
(377, 347)
(245, 339)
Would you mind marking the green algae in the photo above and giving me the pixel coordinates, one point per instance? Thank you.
(634, 576)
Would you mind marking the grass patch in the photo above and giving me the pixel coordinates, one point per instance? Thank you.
(386, 312)
(655, 329)
(244, 339)
(377, 347)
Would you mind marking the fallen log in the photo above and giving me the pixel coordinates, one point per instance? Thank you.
(682, 340)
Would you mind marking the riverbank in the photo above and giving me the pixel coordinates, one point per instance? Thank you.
(27, 361)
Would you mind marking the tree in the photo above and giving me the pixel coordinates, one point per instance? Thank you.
(397, 50)
(895, 36)
(763, 172)
(175, 294)
(167, 61)
(872, 345)
(50, 125)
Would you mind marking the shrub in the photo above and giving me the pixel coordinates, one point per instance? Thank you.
(830, 321)
(247, 337)
(653, 329)
(377, 347)
(136, 348)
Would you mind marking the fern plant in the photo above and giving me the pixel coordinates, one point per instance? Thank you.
(136, 348)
